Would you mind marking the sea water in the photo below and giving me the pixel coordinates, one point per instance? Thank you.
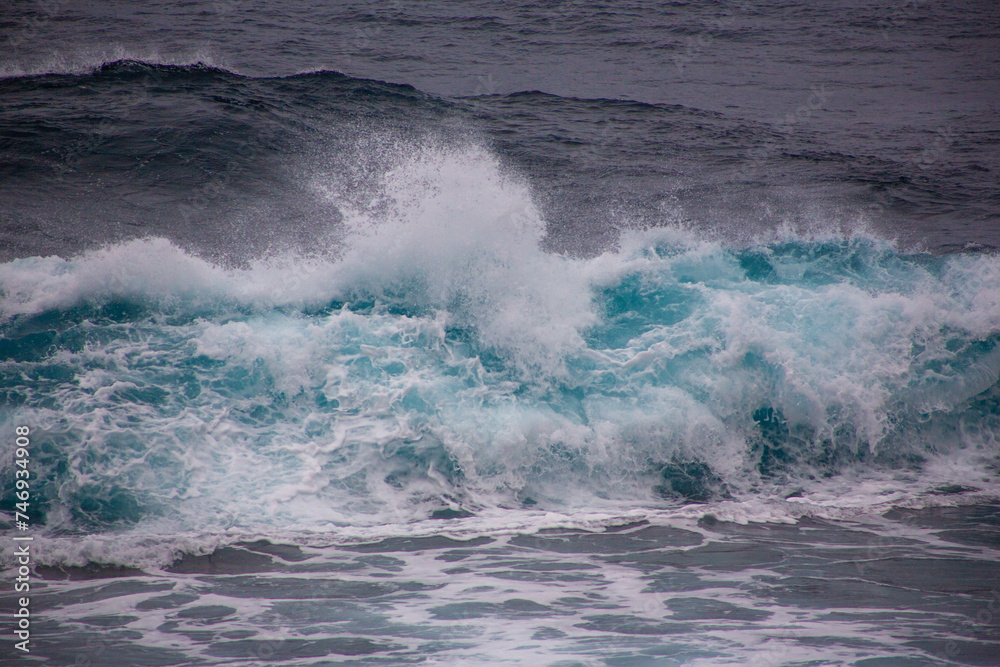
(320, 369)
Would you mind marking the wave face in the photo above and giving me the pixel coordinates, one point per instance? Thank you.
(438, 361)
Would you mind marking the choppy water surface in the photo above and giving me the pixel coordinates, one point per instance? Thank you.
(912, 587)
(569, 334)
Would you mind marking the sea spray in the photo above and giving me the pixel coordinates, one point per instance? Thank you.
(441, 360)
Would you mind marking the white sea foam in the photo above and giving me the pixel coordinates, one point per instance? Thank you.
(439, 358)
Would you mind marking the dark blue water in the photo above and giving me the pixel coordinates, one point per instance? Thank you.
(577, 333)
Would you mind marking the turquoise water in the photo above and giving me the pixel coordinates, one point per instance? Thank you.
(434, 361)
(551, 333)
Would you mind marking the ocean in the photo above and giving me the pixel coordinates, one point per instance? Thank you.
(556, 333)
